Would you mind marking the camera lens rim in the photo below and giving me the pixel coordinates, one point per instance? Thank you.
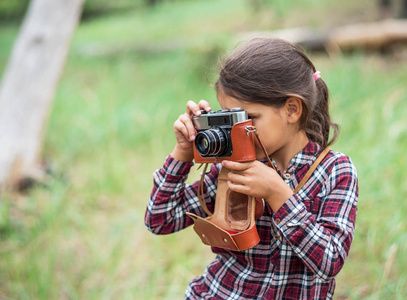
(216, 142)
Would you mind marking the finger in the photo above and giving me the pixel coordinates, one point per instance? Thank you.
(180, 128)
(193, 109)
(189, 126)
(236, 166)
(204, 105)
(238, 188)
(236, 178)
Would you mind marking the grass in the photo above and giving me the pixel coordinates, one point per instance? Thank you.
(127, 79)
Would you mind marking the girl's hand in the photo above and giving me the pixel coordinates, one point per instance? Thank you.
(258, 180)
(185, 131)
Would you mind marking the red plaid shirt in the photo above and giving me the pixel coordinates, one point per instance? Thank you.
(302, 246)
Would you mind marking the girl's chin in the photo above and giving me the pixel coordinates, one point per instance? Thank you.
(260, 154)
(259, 151)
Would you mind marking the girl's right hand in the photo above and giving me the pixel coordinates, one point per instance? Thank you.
(185, 131)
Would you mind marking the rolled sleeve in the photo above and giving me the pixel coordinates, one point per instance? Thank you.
(323, 241)
(176, 167)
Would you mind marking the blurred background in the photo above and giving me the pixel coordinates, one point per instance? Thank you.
(131, 67)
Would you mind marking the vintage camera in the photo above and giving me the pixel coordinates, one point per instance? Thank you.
(223, 134)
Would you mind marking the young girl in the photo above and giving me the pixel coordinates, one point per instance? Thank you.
(304, 237)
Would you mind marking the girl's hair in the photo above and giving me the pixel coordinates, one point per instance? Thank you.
(269, 71)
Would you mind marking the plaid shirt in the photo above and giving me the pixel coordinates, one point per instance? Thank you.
(302, 246)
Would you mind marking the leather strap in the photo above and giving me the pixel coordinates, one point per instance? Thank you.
(256, 134)
(200, 191)
(312, 169)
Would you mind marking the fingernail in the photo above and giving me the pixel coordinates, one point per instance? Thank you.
(208, 108)
(192, 138)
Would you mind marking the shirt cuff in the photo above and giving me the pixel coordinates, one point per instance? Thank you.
(176, 167)
(291, 213)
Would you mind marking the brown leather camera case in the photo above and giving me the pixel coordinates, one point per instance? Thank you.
(232, 225)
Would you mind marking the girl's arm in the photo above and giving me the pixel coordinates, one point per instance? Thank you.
(323, 241)
(171, 198)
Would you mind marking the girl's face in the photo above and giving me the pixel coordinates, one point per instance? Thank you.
(273, 126)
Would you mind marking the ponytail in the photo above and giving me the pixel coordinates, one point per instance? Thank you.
(319, 121)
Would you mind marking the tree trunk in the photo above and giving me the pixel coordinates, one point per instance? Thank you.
(29, 84)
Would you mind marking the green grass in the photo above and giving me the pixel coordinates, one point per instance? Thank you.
(127, 79)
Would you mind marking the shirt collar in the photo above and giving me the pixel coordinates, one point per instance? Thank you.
(302, 158)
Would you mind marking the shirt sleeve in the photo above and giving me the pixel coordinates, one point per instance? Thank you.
(171, 197)
(323, 241)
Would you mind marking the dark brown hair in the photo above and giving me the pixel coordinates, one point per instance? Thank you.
(269, 71)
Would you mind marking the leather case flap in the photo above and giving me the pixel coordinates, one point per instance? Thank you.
(215, 236)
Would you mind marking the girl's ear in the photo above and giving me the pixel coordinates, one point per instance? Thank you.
(293, 108)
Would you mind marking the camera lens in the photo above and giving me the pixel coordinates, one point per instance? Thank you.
(211, 142)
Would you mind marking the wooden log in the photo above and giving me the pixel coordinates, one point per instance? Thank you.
(371, 36)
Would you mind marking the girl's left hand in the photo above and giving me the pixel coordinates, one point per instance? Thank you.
(258, 180)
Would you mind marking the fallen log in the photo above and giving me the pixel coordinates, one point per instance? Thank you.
(368, 36)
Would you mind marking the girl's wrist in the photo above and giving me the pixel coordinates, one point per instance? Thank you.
(185, 155)
(277, 199)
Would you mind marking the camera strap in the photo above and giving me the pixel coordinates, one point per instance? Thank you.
(200, 190)
(256, 134)
(312, 169)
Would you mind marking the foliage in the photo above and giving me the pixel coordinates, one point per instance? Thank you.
(127, 79)
(10, 9)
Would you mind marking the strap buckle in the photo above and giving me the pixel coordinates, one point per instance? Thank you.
(250, 130)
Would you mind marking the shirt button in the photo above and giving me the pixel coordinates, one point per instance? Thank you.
(277, 221)
(276, 236)
(287, 175)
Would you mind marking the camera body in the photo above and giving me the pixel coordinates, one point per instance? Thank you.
(223, 134)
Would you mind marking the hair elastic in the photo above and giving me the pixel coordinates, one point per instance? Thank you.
(317, 75)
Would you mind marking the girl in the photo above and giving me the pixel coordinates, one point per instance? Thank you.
(304, 237)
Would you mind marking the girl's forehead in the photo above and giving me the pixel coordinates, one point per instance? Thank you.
(228, 102)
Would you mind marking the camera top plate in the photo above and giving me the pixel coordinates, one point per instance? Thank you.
(219, 118)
